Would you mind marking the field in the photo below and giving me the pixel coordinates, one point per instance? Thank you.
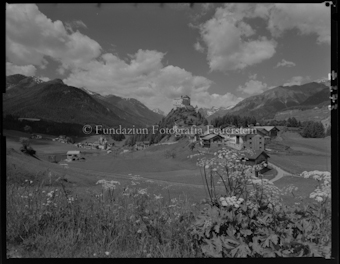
(318, 114)
(303, 154)
(88, 221)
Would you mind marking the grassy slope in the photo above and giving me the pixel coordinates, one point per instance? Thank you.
(315, 153)
(306, 115)
(180, 172)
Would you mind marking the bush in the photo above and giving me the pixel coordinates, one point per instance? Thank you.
(249, 220)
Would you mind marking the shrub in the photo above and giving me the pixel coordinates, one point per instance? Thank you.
(249, 220)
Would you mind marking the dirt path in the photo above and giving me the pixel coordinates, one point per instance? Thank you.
(280, 173)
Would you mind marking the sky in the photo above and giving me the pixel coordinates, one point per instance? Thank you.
(218, 54)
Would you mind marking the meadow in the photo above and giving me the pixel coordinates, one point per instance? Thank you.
(149, 204)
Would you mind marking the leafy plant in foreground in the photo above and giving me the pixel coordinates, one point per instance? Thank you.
(249, 220)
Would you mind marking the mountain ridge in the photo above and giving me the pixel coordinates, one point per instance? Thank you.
(270, 102)
(53, 100)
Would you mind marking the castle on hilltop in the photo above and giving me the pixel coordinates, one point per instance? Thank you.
(183, 101)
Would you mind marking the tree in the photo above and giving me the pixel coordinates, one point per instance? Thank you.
(70, 140)
(313, 130)
(28, 129)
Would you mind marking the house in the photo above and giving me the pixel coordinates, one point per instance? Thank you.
(250, 141)
(272, 130)
(211, 138)
(139, 145)
(34, 136)
(73, 155)
(258, 157)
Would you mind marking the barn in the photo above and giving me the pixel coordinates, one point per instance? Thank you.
(211, 138)
(258, 157)
(73, 155)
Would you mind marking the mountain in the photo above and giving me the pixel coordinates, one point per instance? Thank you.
(270, 102)
(158, 111)
(206, 112)
(58, 102)
(135, 108)
(15, 84)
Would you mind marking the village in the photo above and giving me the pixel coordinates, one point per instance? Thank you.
(254, 138)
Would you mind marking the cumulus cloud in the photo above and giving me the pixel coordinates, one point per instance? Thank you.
(45, 79)
(253, 87)
(198, 47)
(75, 24)
(31, 37)
(297, 80)
(285, 63)
(204, 99)
(306, 18)
(144, 77)
(233, 44)
(27, 70)
(228, 41)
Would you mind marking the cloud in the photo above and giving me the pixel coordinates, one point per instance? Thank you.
(144, 77)
(297, 80)
(285, 63)
(253, 87)
(306, 18)
(253, 77)
(228, 41)
(45, 79)
(232, 43)
(73, 25)
(31, 36)
(27, 70)
(206, 100)
(198, 47)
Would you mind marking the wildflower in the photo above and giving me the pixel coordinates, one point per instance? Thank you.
(142, 191)
(173, 200)
(31, 182)
(148, 255)
(107, 253)
(319, 199)
(94, 254)
(139, 231)
(158, 196)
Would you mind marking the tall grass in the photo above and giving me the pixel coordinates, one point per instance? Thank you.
(49, 220)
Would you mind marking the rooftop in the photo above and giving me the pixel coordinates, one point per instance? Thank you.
(268, 128)
(256, 154)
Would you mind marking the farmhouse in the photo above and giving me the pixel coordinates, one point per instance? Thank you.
(140, 145)
(271, 130)
(258, 157)
(243, 141)
(211, 138)
(73, 155)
